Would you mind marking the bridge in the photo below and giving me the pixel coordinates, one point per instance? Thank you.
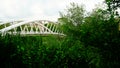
(30, 27)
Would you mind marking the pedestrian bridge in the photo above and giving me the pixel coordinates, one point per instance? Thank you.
(30, 27)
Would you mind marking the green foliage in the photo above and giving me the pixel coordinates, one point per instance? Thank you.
(114, 3)
(75, 14)
(99, 31)
(90, 42)
(72, 19)
(112, 6)
(41, 51)
(104, 36)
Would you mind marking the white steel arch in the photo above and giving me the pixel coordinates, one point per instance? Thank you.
(30, 27)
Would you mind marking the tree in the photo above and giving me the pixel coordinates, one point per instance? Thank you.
(101, 31)
(72, 19)
(113, 5)
(98, 31)
(73, 25)
(75, 14)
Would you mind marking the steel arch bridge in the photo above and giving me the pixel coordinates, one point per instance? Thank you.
(30, 27)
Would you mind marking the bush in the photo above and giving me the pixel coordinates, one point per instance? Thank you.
(34, 52)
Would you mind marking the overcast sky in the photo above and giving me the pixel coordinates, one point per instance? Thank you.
(38, 9)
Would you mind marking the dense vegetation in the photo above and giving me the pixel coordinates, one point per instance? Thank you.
(91, 41)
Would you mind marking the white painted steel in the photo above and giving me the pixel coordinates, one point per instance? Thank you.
(30, 27)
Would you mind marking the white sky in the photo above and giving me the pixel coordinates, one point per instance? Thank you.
(38, 9)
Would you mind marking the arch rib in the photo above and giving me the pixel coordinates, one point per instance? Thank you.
(41, 27)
